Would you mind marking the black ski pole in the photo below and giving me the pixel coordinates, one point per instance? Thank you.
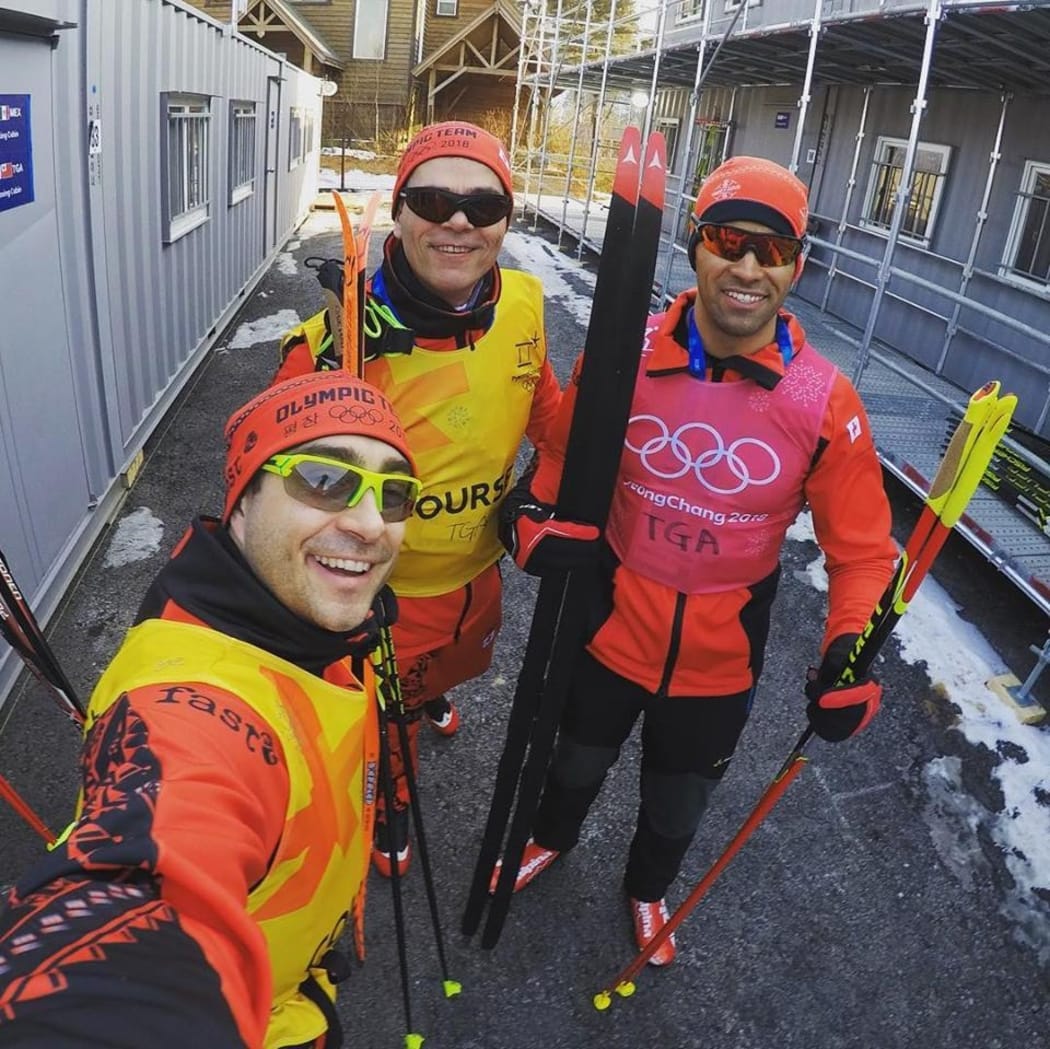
(22, 632)
(387, 779)
(396, 706)
(519, 730)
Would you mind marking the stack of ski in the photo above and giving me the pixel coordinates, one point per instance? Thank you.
(1020, 483)
(619, 311)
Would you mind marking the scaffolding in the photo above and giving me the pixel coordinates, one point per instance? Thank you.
(594, 66)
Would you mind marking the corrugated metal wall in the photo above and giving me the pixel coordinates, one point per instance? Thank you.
(912, 317)
(105, 321)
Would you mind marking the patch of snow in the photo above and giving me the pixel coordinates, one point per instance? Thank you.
(263, 329)
(136, 537)
(959, 660)
(534, 255)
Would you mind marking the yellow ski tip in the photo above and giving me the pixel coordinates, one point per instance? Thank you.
(979, 409)
(989, 389)
(625, 989)
(413, 1041)
(452, 988)
(981, 450)
(602, 1001)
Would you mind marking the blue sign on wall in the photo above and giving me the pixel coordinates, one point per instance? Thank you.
(782, 119)
(16, 152)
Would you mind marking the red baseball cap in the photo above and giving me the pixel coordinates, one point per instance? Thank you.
(454, 138)
(290, 413)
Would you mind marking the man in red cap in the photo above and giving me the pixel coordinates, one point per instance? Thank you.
(229, 764)
(736, 423)
(458, 345)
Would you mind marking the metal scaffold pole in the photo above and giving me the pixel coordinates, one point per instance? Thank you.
(575, 122)
(851, 185)
(523, 54)
(982, 219)
(729, 125)
(555, 62)
(918, 110)
(599, 106)
(702, 71)
(807, 86)
(661, 21)
(684, 197)
(534, 103)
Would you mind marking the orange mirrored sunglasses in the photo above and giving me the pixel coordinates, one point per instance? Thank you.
(732, 244)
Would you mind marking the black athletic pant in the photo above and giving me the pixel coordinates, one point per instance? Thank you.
(687, 742)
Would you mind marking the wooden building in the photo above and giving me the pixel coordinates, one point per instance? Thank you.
(397, 63)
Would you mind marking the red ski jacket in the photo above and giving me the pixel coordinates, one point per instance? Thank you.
(711, 644)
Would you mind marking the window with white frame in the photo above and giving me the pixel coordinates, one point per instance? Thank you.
(446, 8)
(370, 29)
(296, 138)
(1027, 254)
(242, 151)
(928, 178)
(689, 10)
(185, 144)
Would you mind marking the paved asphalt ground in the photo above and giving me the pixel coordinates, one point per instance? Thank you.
(838, 926)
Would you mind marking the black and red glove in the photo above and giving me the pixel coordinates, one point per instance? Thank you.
(540, 543)
(834, 713)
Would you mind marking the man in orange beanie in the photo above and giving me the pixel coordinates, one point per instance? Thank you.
(736, 422)
(230, 756)
(458, 345)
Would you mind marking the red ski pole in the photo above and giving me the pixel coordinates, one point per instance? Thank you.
(21, 806)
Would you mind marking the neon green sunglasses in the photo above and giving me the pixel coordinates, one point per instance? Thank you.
(333, 485)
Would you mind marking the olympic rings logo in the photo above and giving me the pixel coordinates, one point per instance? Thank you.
(738, 466)
(356, 413)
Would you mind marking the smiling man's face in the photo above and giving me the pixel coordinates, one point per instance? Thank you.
(326, 567)
(737, 302)
(449, 258)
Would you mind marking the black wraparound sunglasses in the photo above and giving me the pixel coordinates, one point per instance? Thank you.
(439, 205)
